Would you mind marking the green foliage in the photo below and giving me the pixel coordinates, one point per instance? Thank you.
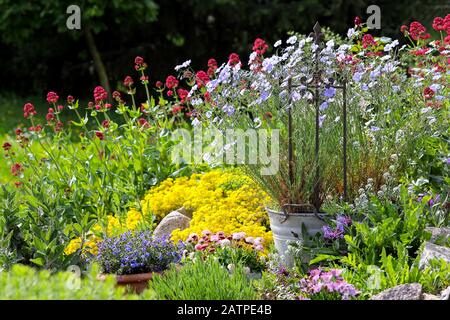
(387, 226)
(25, 283)
(207, 280)
(71, 179)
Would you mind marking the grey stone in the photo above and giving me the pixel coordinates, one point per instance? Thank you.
(427, 296)
(433, 251)
(410, 291)
(439, 233)
(445, 294)
(186, 212)
(174, 220)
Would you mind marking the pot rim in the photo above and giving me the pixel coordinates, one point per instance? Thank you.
(127, 278)
(298, 214)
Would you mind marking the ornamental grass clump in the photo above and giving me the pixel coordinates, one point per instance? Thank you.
(139, 252)
(200, 280)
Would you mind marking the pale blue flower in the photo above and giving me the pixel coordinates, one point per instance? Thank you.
(323, 106)
(329, 92)
(357, 76)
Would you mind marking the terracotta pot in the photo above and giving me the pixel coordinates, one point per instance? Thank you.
(136, 283)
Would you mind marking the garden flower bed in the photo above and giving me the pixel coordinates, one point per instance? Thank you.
(94, 193)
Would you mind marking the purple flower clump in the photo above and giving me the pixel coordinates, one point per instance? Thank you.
(137, 252)
(325, 285)
(338, 232)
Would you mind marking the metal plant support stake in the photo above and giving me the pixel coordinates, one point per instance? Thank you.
(313, 85)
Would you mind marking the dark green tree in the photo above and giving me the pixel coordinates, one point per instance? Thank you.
(24, 21)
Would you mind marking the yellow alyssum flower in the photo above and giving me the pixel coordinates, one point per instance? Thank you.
(221, 200)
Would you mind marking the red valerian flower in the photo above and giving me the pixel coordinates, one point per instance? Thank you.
(37, 128)
(28, 110)
(139, 63)
(207, 96)
(70, 99)
(105, 124)
(428, 93)
(182, 94)
(60, 107)
(100, 94)
(447, 23)
(357, 21)
(143, 123)
(139, 60)
(439, 24)
(171, 82)
(202, 78)
(169, 93)
(18, 132)
(418, 31)
(100, 135)
(447, 39)
(16, 168)
(52, 97)
(260, 46)
(212, 67)
(6, 146)
(117, 96)
(212, 63)
(158, 84)
(404, 29)
(368, 41)
(128, 81)
(58, 126)
(233, 59)
(90, 105)
(177, 109)
(50, 117)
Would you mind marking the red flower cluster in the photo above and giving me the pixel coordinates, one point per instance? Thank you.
(28, 110)
(233, 59)
(260, 46)
(212, 67)
(139, 63)
(143, 123)
(128, 81)
(50, 115)
(368, 41)
(357, 21)
(428, 93)
(37, 128)
(16, 169)
(117, 96)
(442, 24)
(100, 94)
(6, 146)
(70, 100)
(176, 109)
(158, 84)
(183, 94)
(171, 82)
(100, 135)
(418, 31)
(52, 97)
(202, 78)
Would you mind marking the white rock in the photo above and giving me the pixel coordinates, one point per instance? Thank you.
(174, 220)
